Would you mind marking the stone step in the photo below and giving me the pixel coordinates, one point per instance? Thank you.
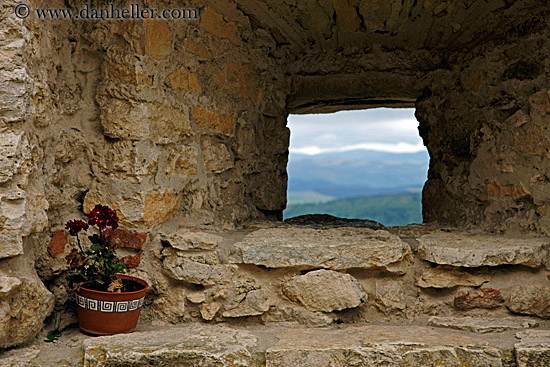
(208, 345)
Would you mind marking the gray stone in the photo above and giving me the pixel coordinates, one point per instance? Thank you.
(7, 284)
(333, 248)
(13, 148)
(186, 240)
(175, 346)
(193, 272)
(370, 346)
(255, 303)
(533, 350)
(482, 325)
(447, 277)
(530, 300)
(389, 295)
(474, 251)
(325, 290)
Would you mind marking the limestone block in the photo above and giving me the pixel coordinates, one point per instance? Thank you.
(22, 313)
(213, 22)
(325, 290)
(255, 303)
(184, 79)
(209, 310)
(474, 251)
(196, 297)
(221, 122)
(333, 248)
(448, 277)
(176, 346)
(478, 298)
(482, 325)
(217, 157)
(196, 273)
(389, 295)
(7, 284)
(14, 92)
(284, 313)
(182, 161)
(533, 350)
(141, 120)
(13, 151)
(172, 303)
(530, 300)
(186, 239)
(371, 346)
(158, 38)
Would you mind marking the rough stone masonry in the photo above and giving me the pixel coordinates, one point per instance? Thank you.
(180, 125)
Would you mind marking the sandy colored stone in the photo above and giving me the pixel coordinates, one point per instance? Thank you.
(448, 277)
(158, 38)
(185, 346)
(12, 149)
(530, 299)
(195, 297)
(478, 298)
(389, 296)
(8, 284)
(532, 349)
(474, 251)
(171, 305)
(182, 78)
(160, 206)
(347, 18)
(209, 310)
(22, 314)
(209, 119)
(373, 346)
(187, 239)
(325, 290)
(57, 243)
(255, 303)
(482, 325)
(334, 248)
(194, 272)
(217, 157)
(286, 313)
(213, 22)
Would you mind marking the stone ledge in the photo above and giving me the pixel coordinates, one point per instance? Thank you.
(534, 348)
(331, 248)
(482, 325)
(475, 251)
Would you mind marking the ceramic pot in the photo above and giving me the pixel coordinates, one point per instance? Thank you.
(107, 313)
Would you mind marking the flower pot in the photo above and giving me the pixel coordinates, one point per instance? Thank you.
(107, 313)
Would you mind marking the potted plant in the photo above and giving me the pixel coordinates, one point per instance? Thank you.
(107, 302)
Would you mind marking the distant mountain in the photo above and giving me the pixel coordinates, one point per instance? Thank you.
(357, 173)
(390, 210)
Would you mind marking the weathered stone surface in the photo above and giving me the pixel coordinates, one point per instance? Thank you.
(376, 346)
(23, 308)
(197, 273)
(213, 22)
(221, 122)
(195, 297)
(57, 243)
(187, 239)
(190, 345)
(300, 315)
(334, 248)
(325, 290)
(389, 296)
(209, 310)
(8, 284)
(530, 300)
(478, 298)
(473, 251)
(184, 79)
(131, 261)
(533, 350)
(448, 277)
(482, 325)
(217, 157)
(125, 238)
(255, 303)
(158, 38)
(13, 148)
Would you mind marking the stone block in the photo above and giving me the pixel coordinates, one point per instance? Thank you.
(57, 243)
(482, 325)
(347, 18)
(213, 23)
(13, 150)
(255, 303)
(333, 248)
(533, 350)
(126, 238)
(478, 298)
(217, 157)
(176, 346)
(444, 276)
(474, 251)
(186, 239)
(389, 296)
(325, 290)
(196, 273)
(131, 261)
(530, 300)
(158, 38)
(183, 79)
(220, 122)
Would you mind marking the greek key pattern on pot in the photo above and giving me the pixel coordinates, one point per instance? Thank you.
(108, 306)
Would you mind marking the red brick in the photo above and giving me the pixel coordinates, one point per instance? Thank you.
(57, 243)
(131, 261)
(125, 238)
(479, 298)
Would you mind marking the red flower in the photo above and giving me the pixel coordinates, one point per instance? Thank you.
(75, 226)
(103, 216)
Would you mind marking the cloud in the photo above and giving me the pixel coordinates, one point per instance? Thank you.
(400, 147)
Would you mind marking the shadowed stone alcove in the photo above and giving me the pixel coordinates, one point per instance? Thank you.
(182, 123)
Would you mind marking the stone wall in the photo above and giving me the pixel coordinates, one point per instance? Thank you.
(182, 124)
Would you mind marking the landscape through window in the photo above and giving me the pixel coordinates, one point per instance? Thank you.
(366, 164)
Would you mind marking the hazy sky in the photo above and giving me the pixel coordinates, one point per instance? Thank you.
(382, 129)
